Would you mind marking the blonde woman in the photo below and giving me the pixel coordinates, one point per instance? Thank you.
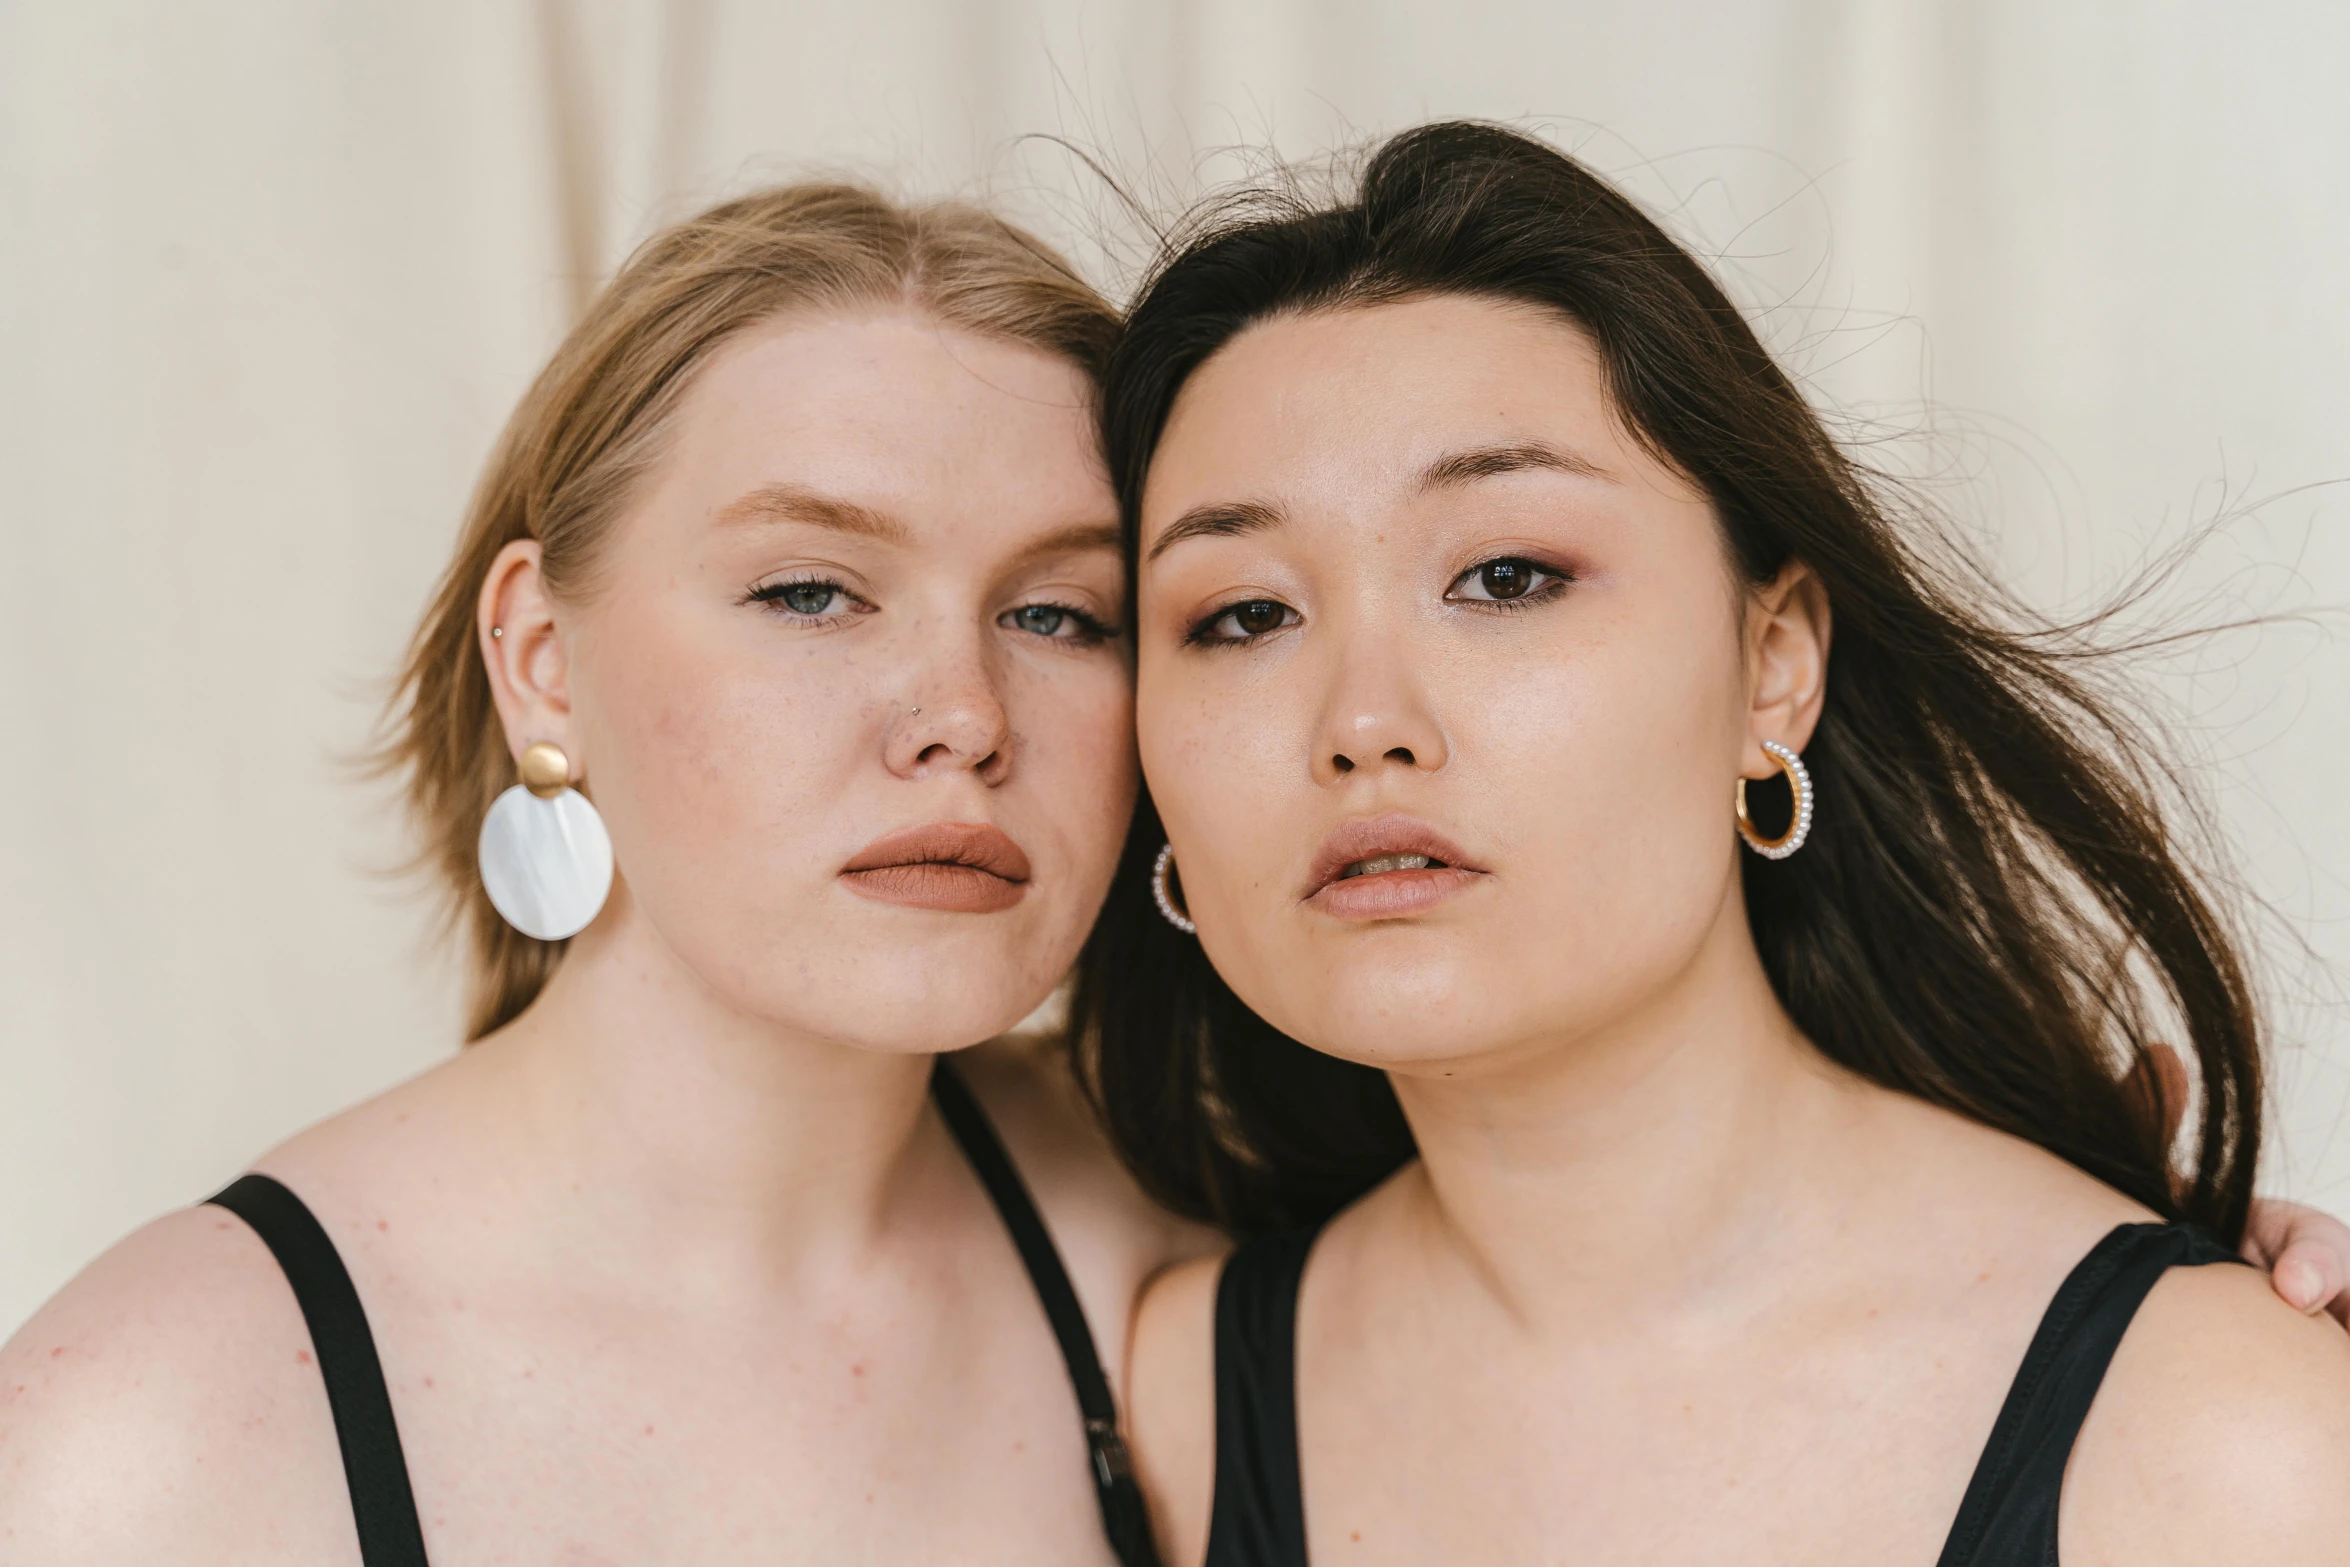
(795, 577)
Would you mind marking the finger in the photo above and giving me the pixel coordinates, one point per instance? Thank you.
(2321, 1266)
(2275, 1226)
(2309, 1276)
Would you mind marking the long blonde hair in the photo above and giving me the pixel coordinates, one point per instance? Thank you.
(592, 424)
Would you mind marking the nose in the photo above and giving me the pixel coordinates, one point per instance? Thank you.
(1377, 717)
(953, 718)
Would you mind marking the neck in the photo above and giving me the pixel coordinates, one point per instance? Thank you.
(674, 1137)
(1660, 1154)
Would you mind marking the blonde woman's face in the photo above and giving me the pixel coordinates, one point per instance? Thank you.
(850, 691)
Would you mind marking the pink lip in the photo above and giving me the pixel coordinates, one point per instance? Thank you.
(1390, 894)
(954, 867)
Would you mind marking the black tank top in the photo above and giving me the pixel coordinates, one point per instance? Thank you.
(377, 1471)
(2007, 1519)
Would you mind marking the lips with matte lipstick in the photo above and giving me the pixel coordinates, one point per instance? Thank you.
(1386, 868)
(955, 867)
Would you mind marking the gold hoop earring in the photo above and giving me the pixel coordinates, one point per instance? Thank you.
(1799, 828)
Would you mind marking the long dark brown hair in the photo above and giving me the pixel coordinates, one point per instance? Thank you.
(1993, 915)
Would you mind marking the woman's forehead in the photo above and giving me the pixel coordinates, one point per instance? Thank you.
(1409, 396)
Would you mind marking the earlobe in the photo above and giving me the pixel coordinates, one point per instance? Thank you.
(522, 649)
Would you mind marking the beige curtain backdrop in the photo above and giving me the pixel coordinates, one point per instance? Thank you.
(272, 272)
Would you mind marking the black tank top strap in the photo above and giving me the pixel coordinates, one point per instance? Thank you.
(2009, 1516)
(374, 1467)
(1258, 1518)
(384, 1505)
(1123, 1515)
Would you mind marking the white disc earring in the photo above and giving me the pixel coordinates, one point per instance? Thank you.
(1175, 916)
(545, 859)
(1798, 826)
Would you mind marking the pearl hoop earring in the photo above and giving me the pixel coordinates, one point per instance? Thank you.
(1175, 916)
(1798, 829)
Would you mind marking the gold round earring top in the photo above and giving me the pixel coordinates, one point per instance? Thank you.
(546, 771)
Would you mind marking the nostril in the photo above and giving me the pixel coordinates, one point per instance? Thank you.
(1344, 764)
(1403, 754)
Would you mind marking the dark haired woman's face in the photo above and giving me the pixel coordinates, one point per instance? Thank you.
(1446, 683)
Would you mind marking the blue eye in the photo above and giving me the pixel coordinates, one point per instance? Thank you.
(809, 600)
(1056, 622)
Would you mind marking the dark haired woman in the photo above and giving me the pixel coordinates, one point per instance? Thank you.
(1640, 1176)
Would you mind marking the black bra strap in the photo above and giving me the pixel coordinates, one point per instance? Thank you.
(1123, 1515)
(373, 1465)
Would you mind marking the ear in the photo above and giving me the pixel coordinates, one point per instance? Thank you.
(530, 672)
(1787, 628)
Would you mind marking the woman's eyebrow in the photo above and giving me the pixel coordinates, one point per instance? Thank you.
(792, 503)
(1218, 519)
(1482, 462)
(1071, 540)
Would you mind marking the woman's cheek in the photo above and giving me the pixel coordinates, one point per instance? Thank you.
(1102, 786)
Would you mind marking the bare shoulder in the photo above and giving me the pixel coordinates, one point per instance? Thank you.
(2222, 1433)
(1171, 1404)
(165, 1406)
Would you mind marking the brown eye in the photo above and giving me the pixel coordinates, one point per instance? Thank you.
(1245, 621)
(1502, 581)
(1505, 579)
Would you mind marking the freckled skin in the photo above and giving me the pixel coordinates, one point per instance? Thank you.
(697, 1185)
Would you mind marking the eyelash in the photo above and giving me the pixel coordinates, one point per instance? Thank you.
(1202, 634)
(1090, 630)
(1558, 578)
(771, 594)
